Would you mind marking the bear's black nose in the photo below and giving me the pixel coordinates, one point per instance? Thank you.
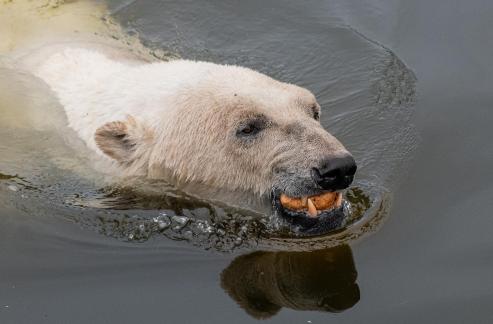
(335, 173)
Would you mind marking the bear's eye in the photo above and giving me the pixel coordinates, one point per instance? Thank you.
(251, 126)
(249, 129)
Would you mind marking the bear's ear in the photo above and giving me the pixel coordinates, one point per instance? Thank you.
(120, 140)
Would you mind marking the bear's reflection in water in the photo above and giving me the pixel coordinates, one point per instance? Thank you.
(264, 282)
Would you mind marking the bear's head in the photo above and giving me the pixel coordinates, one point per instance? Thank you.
(234, 128)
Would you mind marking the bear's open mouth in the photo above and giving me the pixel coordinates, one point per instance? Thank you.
(314, 214)
(312, 206)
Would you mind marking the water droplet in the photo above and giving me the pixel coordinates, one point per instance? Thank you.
(180, 219)
(162, 225)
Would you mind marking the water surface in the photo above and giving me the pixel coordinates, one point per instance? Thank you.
(424, 158)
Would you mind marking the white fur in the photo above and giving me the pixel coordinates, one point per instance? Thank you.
(177, 119)
(95, 90)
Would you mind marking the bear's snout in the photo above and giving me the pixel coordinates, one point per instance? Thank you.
(335, 173)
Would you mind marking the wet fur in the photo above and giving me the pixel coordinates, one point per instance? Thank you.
(178, 120)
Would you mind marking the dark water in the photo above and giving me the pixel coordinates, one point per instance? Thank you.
(424, 153)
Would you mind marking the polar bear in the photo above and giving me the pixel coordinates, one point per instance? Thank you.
(198, 122)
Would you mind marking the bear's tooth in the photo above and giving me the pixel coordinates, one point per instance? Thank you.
(338, 200)
(312, 210)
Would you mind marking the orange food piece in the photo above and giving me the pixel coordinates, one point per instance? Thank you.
(292, 203)
(321, 202)
(324, 201)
